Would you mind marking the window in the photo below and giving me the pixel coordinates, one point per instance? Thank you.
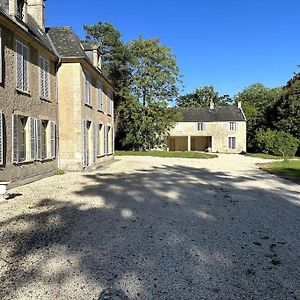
(20, 9)
(232, 126)
(87, 89)
(44, 78)
(33, 139)
(1, 139)
(106, 138)
(232, 143)
(20, 135)
(22, 66)
(100, 92)
(178, 127)
(201, 126)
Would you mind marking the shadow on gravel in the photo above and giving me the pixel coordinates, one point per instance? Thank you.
(169, 233)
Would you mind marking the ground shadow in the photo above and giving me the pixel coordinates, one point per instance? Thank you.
(167, 233)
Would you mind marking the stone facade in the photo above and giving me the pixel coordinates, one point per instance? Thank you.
(28, 104)
(214, 137)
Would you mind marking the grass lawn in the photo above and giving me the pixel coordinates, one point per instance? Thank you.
(181, 154)
(288, 169)
(263, 155)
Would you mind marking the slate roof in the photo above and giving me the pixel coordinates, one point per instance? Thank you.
(219, 114)
(66, 42)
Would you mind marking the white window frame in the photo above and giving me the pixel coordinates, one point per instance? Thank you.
(232, 143)
(87, 89)
(232, 126)
(23, 85)
(44, 65)
(108, 97)
(1, 139)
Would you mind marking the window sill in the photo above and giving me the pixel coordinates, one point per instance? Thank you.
(26, 93)
(88, 105)
(45, 99)
(100, 110)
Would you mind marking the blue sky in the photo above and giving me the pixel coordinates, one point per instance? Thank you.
(228, 44)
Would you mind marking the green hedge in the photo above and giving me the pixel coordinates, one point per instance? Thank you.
(276, 143)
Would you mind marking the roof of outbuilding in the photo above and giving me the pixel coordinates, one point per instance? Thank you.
(219, 114)
(66, 42)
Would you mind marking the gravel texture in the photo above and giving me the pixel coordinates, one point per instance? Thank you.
(153, 228)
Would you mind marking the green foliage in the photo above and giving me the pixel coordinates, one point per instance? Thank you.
(276, 143)
(257, 102)
(59, 172)
(180, 154)
(146, 77)
(286, 112)
(202, 97)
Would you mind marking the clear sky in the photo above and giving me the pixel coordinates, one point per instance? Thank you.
(229, 44)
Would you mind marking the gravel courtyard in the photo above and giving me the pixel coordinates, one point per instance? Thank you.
(153, 228)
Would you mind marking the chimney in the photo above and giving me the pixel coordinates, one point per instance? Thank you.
(211, 105)
(36, 9)
(239, 104)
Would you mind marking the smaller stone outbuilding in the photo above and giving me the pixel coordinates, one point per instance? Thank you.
(221, 129)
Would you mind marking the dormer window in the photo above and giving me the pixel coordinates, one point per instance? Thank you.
(20, 9)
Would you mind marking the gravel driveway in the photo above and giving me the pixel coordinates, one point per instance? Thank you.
(153, 228)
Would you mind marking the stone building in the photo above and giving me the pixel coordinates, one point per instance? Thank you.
(85, 103)
(28, 118)
(221, 129)
(56, 108)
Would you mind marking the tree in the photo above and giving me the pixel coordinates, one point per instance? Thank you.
(154, 82)
(202, 97)
(286, 111)
(155, 75)
(257, 102)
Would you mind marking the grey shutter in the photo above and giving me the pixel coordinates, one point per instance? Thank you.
(46, 79)
(1, 57)
(15, 152)
(32, 124)
(42, 81)
(19, 65)
(204, 126)
(25, 68)
(52, 139)
(95, 142)
(100, 104)
(39, 139)
(85, 143)
(227, 126)
(105, 139)
(1, 138)
(236, 126)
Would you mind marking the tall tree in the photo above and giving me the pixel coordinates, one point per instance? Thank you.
(257, 102)
(202, 97)
(286, 112)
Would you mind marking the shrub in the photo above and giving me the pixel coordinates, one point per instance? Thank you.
(276, 143)
(59, 172)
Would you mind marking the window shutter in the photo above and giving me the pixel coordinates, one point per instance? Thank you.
(42, 84)
(98, 139)
(100, 88)
(1, 55)
(39, 139)
(85, 143)
(52, 139)
(32, 124)
(105, 139)
(204, 126)
(25, 68)
(15, 122)
(236, 126)
(95, 150)
(1, 139)
(19, 65)
(227, 126)
(46, 79)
